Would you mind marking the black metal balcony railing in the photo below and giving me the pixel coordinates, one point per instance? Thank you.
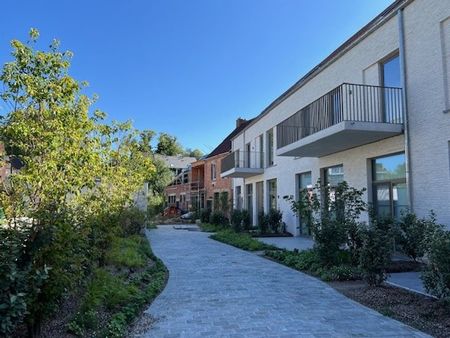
(243, 159)
(348, 102)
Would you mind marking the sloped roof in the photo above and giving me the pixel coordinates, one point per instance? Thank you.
(225, 145)
(179, 162)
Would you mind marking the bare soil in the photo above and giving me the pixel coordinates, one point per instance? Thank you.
(421, 312)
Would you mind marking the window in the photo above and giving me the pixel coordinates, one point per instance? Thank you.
(171, 199)
(249, 200)
(238, 196)
(390, 194)
(332, 177)
(261, 151)
(213, 171)
(270, 148)
(248, 153)
(304, 182)
(272, 194)
(390, 76)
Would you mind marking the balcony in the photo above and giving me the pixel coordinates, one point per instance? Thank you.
(349, 116)
(197, 185)
(242, 164)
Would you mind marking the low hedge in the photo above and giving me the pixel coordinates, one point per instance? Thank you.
(309, 261)
(241, 240)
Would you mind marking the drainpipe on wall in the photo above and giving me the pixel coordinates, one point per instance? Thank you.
(401, 34)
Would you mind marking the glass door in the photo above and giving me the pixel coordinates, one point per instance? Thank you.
(304, 183)
(259, 198)
(249, 200)
(391, 79)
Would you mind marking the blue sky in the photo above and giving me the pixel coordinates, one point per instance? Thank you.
(189, 68)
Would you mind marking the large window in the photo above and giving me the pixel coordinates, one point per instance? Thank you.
(270, 148)
(333, 175)
(249, 200)
(390, 194)
(272, 194)
(304, 183)
(261, 151)
(248, 158)
(390, 73)
(238, 197)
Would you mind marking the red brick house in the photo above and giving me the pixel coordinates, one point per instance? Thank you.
(217, 189)
(198, 184)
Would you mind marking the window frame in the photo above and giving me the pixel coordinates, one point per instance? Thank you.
(391, 182)
(213, 172)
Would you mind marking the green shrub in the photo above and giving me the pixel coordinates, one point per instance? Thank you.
(204, 215)
(329, 236)
(218, 218)
(412, 233)
(129, 252)
(436, 276)
(375, 254)
(303, 260)
(241, 240)
(309, 261)
(246, 219)
(18, 280)
(132, 220)
(274, 219)
(341, 273)
(208, 227)
(263, 222)
(236, 220)
(240, 220)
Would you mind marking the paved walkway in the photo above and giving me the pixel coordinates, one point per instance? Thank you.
(215, 290)
(408, 280)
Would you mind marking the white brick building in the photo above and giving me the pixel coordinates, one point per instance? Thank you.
(375, 113)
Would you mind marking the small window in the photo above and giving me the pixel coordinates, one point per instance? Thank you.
(270, 148)
(213, 171)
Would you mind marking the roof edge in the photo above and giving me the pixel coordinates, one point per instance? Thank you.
(360, 35)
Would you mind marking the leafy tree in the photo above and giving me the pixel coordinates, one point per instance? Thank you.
(197, 153)
(168, 145)
(79, 175)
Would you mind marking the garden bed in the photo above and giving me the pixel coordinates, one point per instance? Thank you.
(115, 295)
(241, 240)
(284, 234)
(421, 312)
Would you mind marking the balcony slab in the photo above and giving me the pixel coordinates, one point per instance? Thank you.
(242, 172)
(339, 137)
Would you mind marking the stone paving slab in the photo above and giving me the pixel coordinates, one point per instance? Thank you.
(215, 290)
